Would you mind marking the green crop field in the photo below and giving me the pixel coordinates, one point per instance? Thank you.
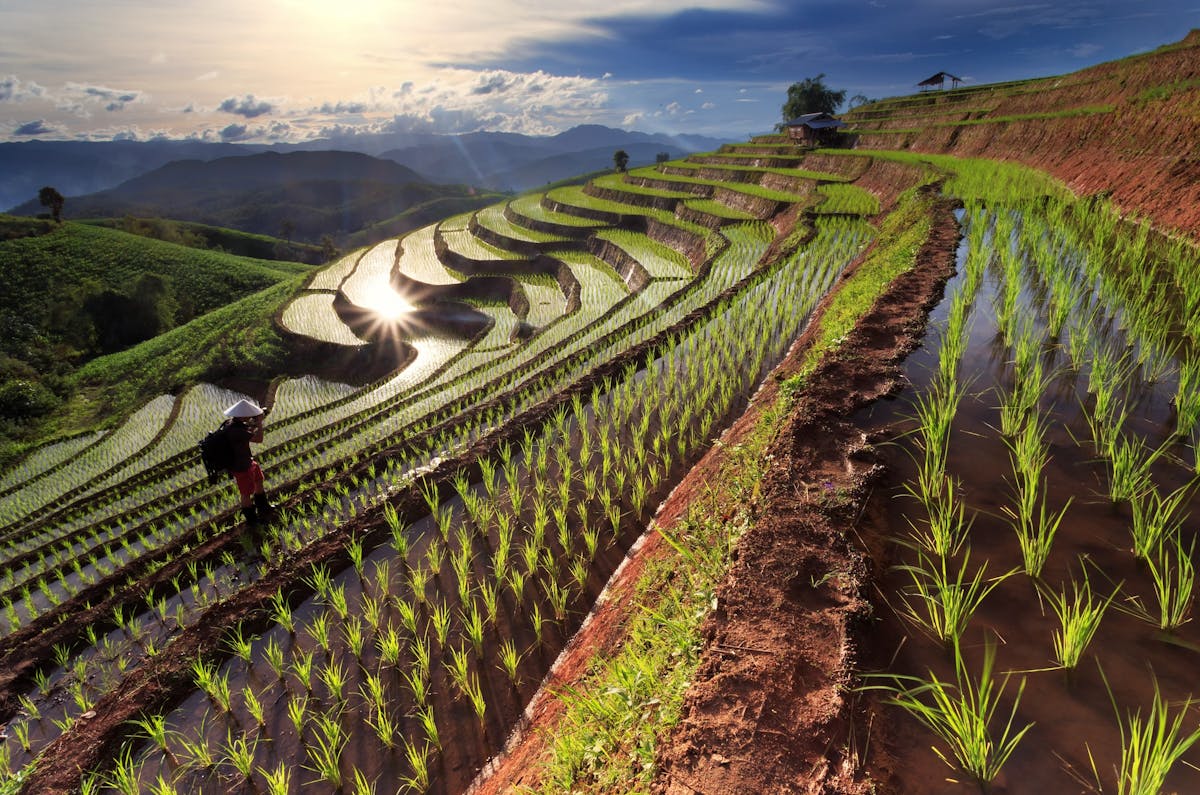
(496, 406)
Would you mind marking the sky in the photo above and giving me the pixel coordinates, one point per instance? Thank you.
(294, 70)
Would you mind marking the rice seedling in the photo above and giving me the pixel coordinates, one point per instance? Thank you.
(1035, 528)
(1079, 617)
(1150, 746)
(940, 603)
(238, 753)
(962, 714)
(947, 525)
(325, 750)
(1187, 399)
(1129, 466)
(418, 763)
(1174, 578)
(297, 709)
(278, 780)
(1155, 518)
(440, 617)
(302, 667)
(510, 661)
(124, 775)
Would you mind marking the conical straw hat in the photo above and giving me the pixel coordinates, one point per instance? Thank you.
(243, 408)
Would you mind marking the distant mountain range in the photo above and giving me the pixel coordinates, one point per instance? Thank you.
(520, 162)
(503, 161)
(298, 195)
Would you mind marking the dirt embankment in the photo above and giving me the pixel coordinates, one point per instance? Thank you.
(768, 710)
(1133, 133)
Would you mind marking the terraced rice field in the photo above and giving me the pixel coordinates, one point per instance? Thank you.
(442, 530)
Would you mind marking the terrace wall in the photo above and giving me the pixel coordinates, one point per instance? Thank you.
(1142, 152)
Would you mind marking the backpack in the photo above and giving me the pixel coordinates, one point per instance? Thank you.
(216, 451)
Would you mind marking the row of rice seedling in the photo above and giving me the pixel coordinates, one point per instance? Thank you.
(943, 591)
(800, 173)
(493, 218)
(312, 315)
(464, 243)
(847, 198)
(298, 395)
(133, 436)
(331, 276)
(548, 470)
(369, 286)
(530, 206)
(662, 262)
(748, 188)
(46, 458)
(418, 260)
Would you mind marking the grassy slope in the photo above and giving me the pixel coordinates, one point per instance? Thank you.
(239, 338)
(37, 268)
(232, 297)
(230, 241)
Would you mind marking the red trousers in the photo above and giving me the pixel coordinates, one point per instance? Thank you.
(249, 481)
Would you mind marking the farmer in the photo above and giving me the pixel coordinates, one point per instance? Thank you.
(244, 427)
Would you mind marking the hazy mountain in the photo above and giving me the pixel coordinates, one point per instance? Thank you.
(485, 159)
(78, 167)
(520, 162)
(313, 193)
(557, 167)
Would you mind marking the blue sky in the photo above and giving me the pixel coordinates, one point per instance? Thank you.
(291, 70)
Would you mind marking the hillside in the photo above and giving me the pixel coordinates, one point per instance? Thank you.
(1126, 129)
(77, 168)
(313, 193)
(75, 291)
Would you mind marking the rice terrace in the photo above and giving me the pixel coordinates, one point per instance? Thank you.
(868, 468)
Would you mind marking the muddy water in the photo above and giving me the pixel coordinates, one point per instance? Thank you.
(1073, 714)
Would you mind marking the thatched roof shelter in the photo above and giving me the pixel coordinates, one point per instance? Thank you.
(939, 80)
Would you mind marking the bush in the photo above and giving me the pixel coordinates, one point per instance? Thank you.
(25, 400)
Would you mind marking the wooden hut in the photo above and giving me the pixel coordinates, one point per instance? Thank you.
(939, 80)
(814, 129)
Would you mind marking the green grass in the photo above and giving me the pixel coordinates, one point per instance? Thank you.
(219, 238)
(239, 338)
(900, 238)
(614, 718)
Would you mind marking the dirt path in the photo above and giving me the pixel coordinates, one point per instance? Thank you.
(768, 711)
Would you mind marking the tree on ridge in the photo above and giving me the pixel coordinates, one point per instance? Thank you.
(811, 95)
(49, 197)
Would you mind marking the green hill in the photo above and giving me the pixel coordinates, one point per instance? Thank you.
(76, 292)
(218, 238)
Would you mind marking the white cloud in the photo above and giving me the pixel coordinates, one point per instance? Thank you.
(1085, 50)
(708, 106)
(207, 76)
(246, 106)
(13, 90)
(79, 98)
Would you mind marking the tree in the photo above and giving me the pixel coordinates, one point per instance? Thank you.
(810, 95)
(329, 250)
(859, 99)
(662, 157)
(49, 197)
(620, 159)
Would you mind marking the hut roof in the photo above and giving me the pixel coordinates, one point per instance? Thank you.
(815, 121)
(938, 79)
